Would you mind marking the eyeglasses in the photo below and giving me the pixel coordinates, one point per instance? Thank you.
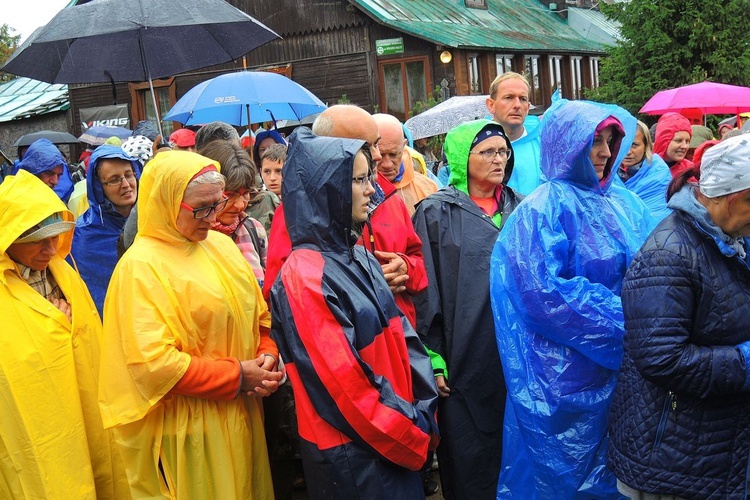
(204, 212)
(233, 195)
(118, 180)
(362, 181)
(488, 155)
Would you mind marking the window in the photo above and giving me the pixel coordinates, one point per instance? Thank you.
(594, 69)
(575, 70)
(555, 74)
(503, 63)
(403, 82)
(475, 76)
(143, 104)
(531, 71)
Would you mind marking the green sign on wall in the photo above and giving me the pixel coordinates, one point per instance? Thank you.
(389, 46)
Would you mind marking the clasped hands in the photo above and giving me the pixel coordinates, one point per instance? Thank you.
(394, 269)
(260, 376)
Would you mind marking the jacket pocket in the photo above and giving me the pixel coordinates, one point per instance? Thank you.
(670, 404)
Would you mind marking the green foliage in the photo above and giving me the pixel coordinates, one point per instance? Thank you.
(344, 99)
(671, 43)
(8, 44)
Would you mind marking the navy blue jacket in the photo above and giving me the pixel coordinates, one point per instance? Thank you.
(680, 419)
(363, 384)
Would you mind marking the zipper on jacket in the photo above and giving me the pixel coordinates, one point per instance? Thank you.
(670, 405)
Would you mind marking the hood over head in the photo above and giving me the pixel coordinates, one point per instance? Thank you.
(667, 126)
(317, 190)
(567, 135)
(94, 188)
(273, 134)
(41, 156)
(161, 190)
(459, 141)
(25, 201)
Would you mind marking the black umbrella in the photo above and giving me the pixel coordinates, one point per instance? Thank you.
(136, 41)
(53, 136)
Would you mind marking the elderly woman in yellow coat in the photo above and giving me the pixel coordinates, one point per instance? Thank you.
(52, 442)
(187, 346)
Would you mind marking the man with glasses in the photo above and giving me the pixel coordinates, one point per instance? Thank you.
(112, 189)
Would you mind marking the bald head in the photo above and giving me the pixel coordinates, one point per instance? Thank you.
(349, 122)
(392, 144)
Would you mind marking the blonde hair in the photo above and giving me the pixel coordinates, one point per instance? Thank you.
(647, 142)
(508, 75)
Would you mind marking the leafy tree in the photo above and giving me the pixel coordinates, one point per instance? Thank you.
(8, 44)
(671, 43)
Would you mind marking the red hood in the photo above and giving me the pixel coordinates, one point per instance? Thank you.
(667, 126)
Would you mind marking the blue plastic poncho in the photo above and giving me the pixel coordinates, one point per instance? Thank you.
(555, 279)
(650, 184)
(527, 175)
(97, 230)
(41, 156)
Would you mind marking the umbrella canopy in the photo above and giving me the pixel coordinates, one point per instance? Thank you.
(243, 98)
(136, 40)
(53, 136)
(709, 98)
(96, 136)
(446, 115)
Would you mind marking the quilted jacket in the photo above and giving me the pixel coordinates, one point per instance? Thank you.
(680, 419)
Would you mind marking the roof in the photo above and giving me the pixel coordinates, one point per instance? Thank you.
(593, 25)
(518, 25)
(23, 98)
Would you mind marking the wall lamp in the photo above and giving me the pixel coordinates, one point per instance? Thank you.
(446, 57)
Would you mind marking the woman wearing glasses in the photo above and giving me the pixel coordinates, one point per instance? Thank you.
(362, 381)
(458, 226)
(239, 174)
(555, 280)
(186, 345)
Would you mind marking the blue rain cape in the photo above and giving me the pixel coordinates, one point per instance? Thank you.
(555, 279)
(41, 156)
(650, 184)
(97, 229)
(527, 175)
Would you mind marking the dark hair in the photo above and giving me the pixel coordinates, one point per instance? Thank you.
(236, 166)
(690, 175)
(365, 149)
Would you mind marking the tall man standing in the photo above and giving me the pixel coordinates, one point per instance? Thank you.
(509, 105)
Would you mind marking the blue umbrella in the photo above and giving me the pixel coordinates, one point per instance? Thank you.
(96, 136)
(243, 98)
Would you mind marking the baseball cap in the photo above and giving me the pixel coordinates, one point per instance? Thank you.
(183, 138)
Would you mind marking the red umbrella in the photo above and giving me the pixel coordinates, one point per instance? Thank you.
(709, 98)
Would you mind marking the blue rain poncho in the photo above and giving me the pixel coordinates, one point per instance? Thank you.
(98, 228)
(41, 156)
(555, 278)
(650, 184)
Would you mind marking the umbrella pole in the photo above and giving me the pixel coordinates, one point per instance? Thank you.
(151, 87)
(247, 107)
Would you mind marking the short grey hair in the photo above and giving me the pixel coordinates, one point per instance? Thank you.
(209, 177)
(323, 126)
(215, 131)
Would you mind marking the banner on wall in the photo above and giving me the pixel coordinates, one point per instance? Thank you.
(112, 116)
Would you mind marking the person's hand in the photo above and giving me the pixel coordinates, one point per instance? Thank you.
(64, 307)
(442, 386)
(257, 380)
(267, 362)
(394, 270)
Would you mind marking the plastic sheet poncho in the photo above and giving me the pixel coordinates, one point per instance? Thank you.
(555, 280)
(41, 156)
(170, 299)
(95, 242)
(650, 184)
(52, 442)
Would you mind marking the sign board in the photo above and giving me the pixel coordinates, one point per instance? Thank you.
(389, 46)
(111, 116)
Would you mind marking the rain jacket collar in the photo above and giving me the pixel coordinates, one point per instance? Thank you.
(317, 190)
(457, 147)
(567, 135)
(94, 189)
(162, 188)
(26, 201)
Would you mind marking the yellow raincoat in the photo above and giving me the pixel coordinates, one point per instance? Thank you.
(52, 442)
(170, 298)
